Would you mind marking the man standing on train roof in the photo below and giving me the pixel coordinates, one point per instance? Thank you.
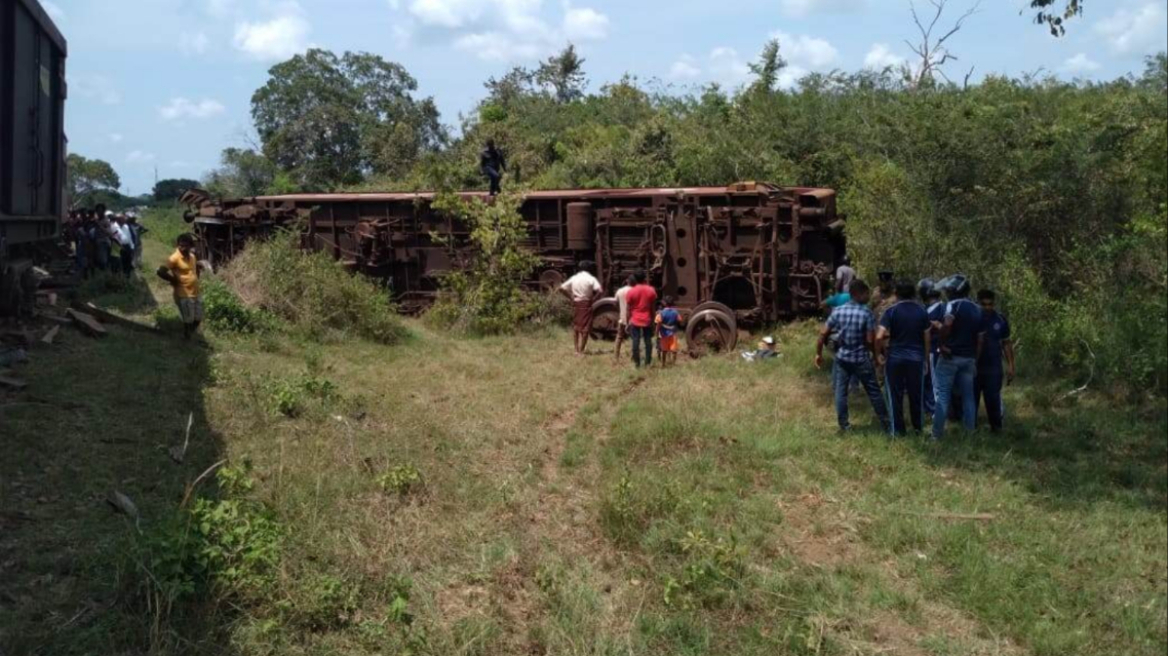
(582, 290)
(961, 341)
(844, 275)
(855, 326)
(995, 344)
(492, 164)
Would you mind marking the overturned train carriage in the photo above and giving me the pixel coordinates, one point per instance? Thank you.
(741, 255)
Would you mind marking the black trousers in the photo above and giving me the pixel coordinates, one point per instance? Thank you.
(988, 385)
(127, 256)
(904, 378)
(494, 176)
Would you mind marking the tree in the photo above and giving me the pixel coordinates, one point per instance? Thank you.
(770, 64)
(172, 188)
(564, 74)
(932, 50)
(331, 120)
(242, 173)
(87, 176)
(1054, 19)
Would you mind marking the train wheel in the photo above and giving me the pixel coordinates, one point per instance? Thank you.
(605, 319)
(550, 280)
(713, 305)
(711, 331)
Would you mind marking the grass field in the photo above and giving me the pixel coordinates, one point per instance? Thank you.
(499, 496)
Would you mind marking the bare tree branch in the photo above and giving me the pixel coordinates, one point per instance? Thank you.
(932, 51)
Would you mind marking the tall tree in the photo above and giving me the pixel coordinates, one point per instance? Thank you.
(172, 188)
(242, 172)
(770, 64)
(331, 120)
(564, 74)
(88, 176)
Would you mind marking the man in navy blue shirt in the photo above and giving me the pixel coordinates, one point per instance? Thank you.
(995, 343)
(960, 345)
(855, 328)
(904, 327)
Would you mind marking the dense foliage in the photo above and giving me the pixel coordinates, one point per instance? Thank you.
(309, 291)
(1041, 188)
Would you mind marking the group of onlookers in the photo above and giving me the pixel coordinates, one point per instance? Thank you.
(641, 318)
(926, 341)
(104, 240)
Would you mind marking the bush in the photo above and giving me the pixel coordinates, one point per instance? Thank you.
(310, 291)
(488, 298)
(223, 310)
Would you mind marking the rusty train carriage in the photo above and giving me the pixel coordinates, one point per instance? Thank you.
(745, 254)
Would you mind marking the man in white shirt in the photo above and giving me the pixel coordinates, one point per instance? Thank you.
(582, 290)
(125, 238)
(622, 328)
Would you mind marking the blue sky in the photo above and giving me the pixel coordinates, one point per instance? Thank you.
(166, 84)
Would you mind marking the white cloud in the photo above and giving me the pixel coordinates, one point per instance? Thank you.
(496, 46)
(193, 44)
(139, 157)
(452, 13)
(502, 30)
(280, 37)
(812, 52)
(685, 68)
(585, 24)
(789, 77)
(727, 67)
(1138, 31)
(180, 164)
(1080, 64)
(95, 87)
(54, 11)
(880, 57)
(800, 8)
(116, 137)
(180, 108)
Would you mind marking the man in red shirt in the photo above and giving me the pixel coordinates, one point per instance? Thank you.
(642, 301)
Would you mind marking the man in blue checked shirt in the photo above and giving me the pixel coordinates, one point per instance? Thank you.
(855, 328)
(961, 333)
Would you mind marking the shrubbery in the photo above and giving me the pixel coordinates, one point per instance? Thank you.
(487, 297)
(312, 292)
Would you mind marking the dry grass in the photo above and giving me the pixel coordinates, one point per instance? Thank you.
(572, 506)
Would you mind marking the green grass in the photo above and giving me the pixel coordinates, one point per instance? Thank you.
(498, 496)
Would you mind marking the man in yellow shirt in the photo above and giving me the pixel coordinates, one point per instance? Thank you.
(182, 272)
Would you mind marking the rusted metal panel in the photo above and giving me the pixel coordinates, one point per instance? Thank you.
(758, 252)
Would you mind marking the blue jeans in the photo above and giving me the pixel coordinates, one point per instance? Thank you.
(905, 378)
(951, 373)
(843, 373)
(642, 335)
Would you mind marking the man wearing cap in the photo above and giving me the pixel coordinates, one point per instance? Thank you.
(582, 290)
(956, 371)
(855, 326)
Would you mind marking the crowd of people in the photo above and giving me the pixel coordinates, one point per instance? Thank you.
(927, 342)
(104, 240)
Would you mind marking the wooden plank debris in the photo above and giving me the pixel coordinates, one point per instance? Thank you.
(12, 383)
(86, 323)
(51, 335)
(106, 316)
